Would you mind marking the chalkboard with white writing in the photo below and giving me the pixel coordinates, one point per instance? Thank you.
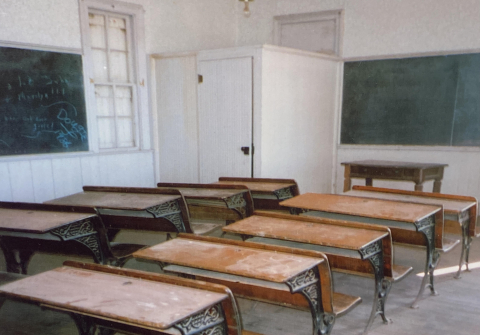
(42, 102)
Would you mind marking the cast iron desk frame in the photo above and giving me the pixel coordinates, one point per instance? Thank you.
(266, 192)
(389, 170)
(426, 225)
(83, 227)
(210, 318)
(305, 282)
(465, 216)
(372, 251)
(170, 214)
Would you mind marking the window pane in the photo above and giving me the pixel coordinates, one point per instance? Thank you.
(117, 34)
(123, 101)
(97, 30)
(106, 132)
(118, 66)
(125, 132)
(99, 65)
(104, 98)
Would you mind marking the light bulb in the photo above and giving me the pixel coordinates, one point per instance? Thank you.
(246, 10)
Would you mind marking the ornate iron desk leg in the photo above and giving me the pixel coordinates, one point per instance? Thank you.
(308, 284)
(238, 204)
(16, 259)
(85, 325)
(83, 232)
(210, 321)
(466, 240)
(169, 211)
(427, 228)
(374, 254)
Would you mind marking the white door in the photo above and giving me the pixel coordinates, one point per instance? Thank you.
(225, 93)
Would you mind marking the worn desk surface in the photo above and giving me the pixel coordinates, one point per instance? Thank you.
(138, 302)
(410, 223)
(241, 261)
(37, 221)
(460, 211)
(391, 170)
(114, 200)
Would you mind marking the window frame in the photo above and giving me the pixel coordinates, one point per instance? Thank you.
(141, 118)
(330, 15)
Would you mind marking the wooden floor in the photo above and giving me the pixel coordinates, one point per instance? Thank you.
(454, 311)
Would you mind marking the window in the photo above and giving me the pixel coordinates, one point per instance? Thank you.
(318, 32)
(109, 31)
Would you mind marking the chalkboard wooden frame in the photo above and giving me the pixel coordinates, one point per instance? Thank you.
(42, 102)
(423, 100)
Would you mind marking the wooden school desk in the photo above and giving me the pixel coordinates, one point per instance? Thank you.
(351, 247)
(134, 302)
(261, 272)
(135, 208)
(373, 169)
(208, 203)
(415, 224)
(27, 228)
(460, 212)
(266, 192)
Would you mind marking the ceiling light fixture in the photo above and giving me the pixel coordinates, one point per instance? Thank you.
(246, 10)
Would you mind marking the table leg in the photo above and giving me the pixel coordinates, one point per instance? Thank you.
(85, 325)
(368, 182)
(374, 254)
(437, 185)
(419, 187)
(16, 259)
(347, 183)
(465, 246)
(308, 284)
(427, 228)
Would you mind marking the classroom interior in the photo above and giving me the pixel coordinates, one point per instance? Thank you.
(293, 104)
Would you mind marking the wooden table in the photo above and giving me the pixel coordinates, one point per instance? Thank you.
(348, 246)
(373, 169)
(26, 228)
(211, 206)
(415, 224)
(129, 301)
(134, 208)
(266, 192)
(460, 212)
(254, 271)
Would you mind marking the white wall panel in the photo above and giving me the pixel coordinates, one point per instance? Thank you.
(42, 175)
(299, 92)
(67, 176)
(127, 170)
(5, 187)
(90, 170)
(21, 181)
(176, 96)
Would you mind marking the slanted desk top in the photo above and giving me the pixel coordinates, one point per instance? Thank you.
(36, 221)
(114, 200)
(372, 208)
(306, 232)
(235, 260)
(258, 185)
(134, 301)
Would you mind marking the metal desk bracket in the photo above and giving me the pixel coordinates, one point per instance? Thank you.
(169, 211)
(209, 321)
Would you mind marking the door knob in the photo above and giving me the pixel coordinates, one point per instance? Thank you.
(246, 150)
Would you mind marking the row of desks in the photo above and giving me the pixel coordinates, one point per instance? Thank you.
(369, 252)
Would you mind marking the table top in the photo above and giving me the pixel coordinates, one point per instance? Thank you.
(351, 238)
(208, 193)
(259, 187)
(394, 164)
(36, 221)
(114, 200)
(134, 301)
(235, 260)
(358, 206)
(449, 205)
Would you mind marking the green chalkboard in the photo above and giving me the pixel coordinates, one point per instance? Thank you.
(42, 102)
(412, 101)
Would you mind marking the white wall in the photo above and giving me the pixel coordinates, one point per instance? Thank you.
(299, 93)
